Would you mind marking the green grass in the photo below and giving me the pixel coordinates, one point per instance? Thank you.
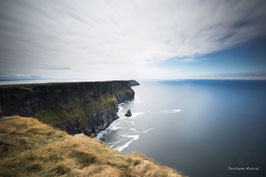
(99, 104)
(65, 113)
(52, 117)
(30, 86)
(125, 91)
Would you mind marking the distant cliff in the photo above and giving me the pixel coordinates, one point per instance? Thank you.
(84, 107)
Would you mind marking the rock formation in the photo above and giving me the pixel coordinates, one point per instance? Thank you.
(128, 113)
(84, 107)
(132, 83)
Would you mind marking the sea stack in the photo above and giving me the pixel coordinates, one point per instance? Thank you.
(128, 114)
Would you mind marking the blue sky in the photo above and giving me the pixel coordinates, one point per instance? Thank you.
(123, 39)
(236, 62)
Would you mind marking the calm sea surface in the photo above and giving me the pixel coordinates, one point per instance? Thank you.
(204, 128)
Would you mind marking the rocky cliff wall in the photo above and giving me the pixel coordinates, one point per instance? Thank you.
(84, 107)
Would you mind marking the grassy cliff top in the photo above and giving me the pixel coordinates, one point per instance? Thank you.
(56, 83)
(30, 148)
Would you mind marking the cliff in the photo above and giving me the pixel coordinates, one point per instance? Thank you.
(84, 107)
(30, 148)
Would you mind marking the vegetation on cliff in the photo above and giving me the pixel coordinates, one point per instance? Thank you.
(31, 148)
(57, 116)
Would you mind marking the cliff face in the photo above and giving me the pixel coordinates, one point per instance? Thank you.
(85, 107)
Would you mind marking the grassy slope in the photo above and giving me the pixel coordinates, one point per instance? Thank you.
(30, 148)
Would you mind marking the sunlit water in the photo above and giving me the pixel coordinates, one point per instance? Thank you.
(198, 127)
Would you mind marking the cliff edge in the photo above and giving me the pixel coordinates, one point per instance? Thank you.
(31, 148)
(82, 107)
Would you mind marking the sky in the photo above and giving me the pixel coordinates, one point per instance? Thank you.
(125, 39)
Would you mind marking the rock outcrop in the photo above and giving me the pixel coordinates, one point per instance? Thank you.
(128, 113)
(133, 83)
(84, 107)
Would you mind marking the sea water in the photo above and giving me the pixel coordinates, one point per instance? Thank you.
(203, 128)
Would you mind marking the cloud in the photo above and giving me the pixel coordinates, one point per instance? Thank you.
(114, 39)
(57, 68)
(188, 60)
(243, 75)
(246, 75)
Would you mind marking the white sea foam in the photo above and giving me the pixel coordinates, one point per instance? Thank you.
(121, 107)
(176, 110)
(114, 126)
(101, 135)
(133, 129)
(133, 138)
(118, 125)
(81, 134)
(171, 111)
(146, 131)
(112, 144)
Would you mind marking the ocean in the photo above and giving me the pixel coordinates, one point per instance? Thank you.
(203, 128)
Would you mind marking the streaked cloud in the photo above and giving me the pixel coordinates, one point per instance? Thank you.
(57, 68)
(188, 60)
(114, 39)
(243, 75)
(247, 75)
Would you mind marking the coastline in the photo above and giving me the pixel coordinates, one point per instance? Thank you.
(80, 107)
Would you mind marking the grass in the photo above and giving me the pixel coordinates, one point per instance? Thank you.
(30, 148)
(30, 86)
(125, 91)
(99, 104)
(52, 116)
(56, 117)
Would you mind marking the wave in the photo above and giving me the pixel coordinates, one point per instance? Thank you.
(146, 131)
(101, 135)
(114, 126)
(133, 129)
(133, 138)
(176, 110)
(112, 144)
(172, 111)
(125, 127)
(81, 134)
